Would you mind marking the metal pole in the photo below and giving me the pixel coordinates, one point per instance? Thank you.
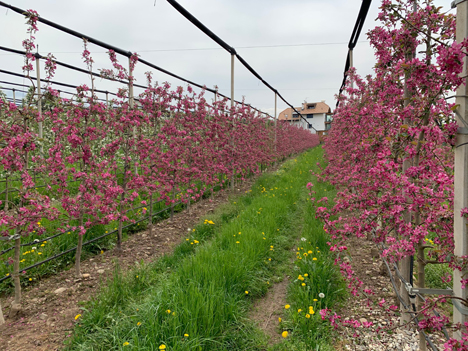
(39, 100)
(351, 63)
(461, 167)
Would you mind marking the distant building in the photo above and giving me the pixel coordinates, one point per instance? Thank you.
(317, 114)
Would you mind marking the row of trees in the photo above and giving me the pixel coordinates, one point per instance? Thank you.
(390, 150)
(165, 144)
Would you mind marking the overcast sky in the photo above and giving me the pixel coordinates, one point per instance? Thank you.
(310, 70)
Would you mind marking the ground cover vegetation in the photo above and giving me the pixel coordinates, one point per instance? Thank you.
(390, 154)
(82, 167)
(198, 297)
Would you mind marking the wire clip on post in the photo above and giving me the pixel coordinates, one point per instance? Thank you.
(458, 305)
(456, 2)
(426, 291)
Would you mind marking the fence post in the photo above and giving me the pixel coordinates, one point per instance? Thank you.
(232, 115)
(131, 101)
(405, 263)
(276, 124)
(39, 99)
(461, 166)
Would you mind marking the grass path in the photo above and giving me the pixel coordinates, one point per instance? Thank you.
(198, 298)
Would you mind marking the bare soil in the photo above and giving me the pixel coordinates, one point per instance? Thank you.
(365, 260)
(267, 310)
(49, 308)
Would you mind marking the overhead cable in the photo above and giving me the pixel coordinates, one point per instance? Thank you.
(117, 50)
(231, 50)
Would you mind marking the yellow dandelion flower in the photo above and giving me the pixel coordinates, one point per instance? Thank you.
(77, 316)
(126, 343)
(314, 259)
(286, 306)
(303, 284)
(186, 335)
(168, 311)
(300, 277)
(246, 292)
(30, 279)
(139, 323)
(237, 242)
(284, 334)
(299, 310)
(307, 315)
(279, 319)
(315, 300)
(162, 347)
(306, 275)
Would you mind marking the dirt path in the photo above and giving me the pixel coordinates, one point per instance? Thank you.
(50, 307)
(364, 258)
(267, 310)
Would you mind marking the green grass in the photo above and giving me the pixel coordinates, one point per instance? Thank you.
(205, 288)
(316, 282)
(44, 249)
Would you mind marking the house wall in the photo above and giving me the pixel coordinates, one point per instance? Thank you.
(319, 110)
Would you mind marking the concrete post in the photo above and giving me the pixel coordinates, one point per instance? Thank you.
(39, 100)
(461, 166)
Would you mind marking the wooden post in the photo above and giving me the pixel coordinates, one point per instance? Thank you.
(461, 167)
(39, 100)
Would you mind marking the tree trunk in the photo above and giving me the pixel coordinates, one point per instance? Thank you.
(16, 305)
(2, 320)
(78, 252)
(150, 224)
(6, 197)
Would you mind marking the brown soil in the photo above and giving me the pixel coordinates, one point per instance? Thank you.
(267, 310)
(48, 316)
(364, 259)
